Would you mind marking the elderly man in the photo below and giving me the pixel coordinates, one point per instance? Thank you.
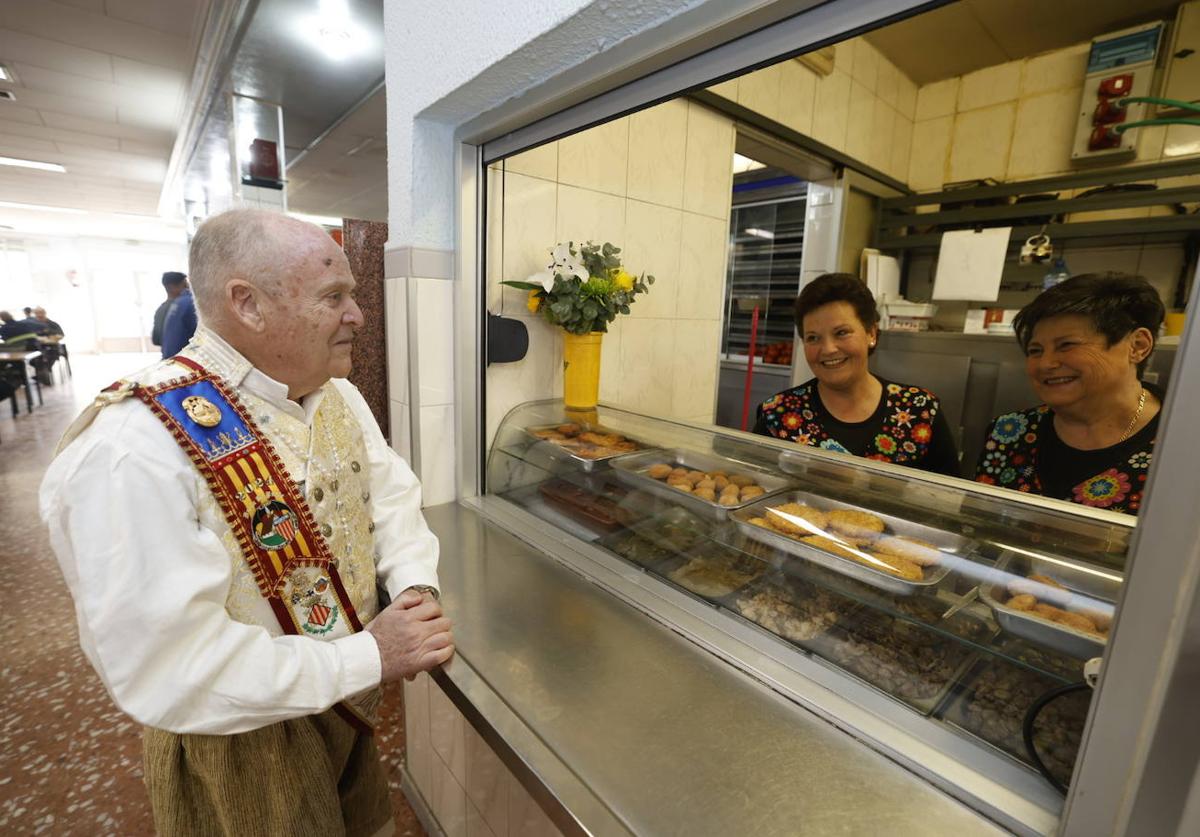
(222, 519)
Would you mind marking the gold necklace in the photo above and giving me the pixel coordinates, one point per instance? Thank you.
(1137, 415)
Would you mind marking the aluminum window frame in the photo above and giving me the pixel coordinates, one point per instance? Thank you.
(1142, 701)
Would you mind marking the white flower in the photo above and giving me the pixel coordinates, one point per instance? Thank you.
(563, 263)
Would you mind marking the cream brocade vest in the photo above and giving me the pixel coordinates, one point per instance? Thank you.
(336, 486)
(337, 490)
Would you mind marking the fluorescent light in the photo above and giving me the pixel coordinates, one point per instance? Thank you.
(31, 164)
(333, 32)
(759, 233)
(37, 207)
(319, 220)
(743, 163)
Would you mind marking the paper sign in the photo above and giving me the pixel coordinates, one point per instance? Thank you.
(970, 263)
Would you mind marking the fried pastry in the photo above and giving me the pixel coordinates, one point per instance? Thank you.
(1022, 602)
(1077, 621)
(659, 471)
(568, 429)
(895, 565)
(706, 494)
(741, 480)
(752, 491)
(830, 545)
(778, 518)
(856, 524)
(921, 553)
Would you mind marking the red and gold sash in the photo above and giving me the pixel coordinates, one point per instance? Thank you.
(274, 526)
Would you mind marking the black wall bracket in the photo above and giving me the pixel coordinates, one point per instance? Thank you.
(507, 339)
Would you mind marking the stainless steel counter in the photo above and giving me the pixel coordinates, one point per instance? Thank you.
(633, 729)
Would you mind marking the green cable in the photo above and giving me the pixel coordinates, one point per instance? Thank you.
(1155, 100)
(1146, 123)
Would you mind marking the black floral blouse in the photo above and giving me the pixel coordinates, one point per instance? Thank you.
(907, 428)
(1023, 452)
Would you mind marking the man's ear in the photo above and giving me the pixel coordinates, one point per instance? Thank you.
(243, 300)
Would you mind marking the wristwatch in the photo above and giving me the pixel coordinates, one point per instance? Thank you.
(425, 588)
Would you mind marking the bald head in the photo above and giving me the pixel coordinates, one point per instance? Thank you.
(280, 292)
(254, 245)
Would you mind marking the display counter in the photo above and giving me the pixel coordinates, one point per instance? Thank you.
(700, 622)
(617, 724)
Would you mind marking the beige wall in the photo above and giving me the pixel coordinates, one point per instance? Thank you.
(1015, 122)
(864, 108)
(657, 184)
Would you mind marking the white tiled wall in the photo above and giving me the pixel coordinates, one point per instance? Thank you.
(466, 786)
(658, 184)
(864, 108)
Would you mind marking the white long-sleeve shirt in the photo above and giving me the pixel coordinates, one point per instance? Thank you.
(150, 572)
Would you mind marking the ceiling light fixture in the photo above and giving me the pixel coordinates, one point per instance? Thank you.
(31, 164)
(5, 75)
(37, 207)
(743, 163)
(333, 32)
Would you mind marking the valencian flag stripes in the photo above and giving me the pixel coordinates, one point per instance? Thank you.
(279, 538)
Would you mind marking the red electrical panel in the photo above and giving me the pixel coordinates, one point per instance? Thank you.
(1107, 112)
(1114, 86)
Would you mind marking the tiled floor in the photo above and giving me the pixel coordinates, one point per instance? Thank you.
(70, 762)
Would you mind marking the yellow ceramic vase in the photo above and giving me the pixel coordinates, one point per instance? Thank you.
(581, 370)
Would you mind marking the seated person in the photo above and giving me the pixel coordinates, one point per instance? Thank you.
(1091, 441)
(17, 333)
(45, 326)
(844, 407)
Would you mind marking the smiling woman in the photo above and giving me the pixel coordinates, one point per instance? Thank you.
(844, 407)
(1086, 342)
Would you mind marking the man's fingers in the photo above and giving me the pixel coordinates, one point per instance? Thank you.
(425, 611)
(436, 641)
(433, 659)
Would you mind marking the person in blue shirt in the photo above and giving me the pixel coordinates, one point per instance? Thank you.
(179, 325)
(174, 283)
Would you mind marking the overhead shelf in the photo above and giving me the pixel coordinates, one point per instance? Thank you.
(902, 227)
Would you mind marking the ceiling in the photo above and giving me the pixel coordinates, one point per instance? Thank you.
(334, 118)
(100, 87)
(972, 34)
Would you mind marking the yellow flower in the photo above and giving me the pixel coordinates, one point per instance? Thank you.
(533, 303)
(624, 280)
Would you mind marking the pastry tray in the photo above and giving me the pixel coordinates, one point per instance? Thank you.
(1085, 591)
(947, 543)
(632, 469)
(564, 453)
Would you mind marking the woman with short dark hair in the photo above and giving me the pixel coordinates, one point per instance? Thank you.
(1091, 441)
(844, 407)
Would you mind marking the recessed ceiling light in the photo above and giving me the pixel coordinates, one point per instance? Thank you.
(41, 208)
(31, 164)
(333, 32)
(5, 75)
(8, 95)
(741, 163)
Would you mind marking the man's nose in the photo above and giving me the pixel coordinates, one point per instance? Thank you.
(353, 315)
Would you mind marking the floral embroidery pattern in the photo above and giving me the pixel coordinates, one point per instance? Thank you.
(1010, 460)
(1103, 490)
(904, 436)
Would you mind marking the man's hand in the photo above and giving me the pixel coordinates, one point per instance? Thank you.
(413, 636)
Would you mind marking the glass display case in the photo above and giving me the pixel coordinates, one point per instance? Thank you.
(974, 607)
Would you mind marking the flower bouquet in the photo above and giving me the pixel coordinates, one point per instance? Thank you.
(582, 291)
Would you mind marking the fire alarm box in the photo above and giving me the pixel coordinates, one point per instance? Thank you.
(1120, 65)
(264, 160)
